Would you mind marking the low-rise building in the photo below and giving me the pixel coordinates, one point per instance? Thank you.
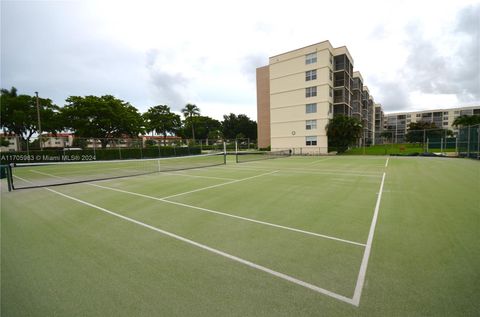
(397, 124)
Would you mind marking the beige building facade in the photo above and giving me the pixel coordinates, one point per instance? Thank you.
(300, 90)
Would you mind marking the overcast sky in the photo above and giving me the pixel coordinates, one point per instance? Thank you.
(412, 54)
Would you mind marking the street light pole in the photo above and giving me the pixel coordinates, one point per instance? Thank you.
(39, 123)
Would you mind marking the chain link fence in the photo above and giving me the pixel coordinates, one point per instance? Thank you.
(64, 148)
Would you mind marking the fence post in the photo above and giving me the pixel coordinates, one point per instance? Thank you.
(456, 142)
(119, 150)
(424, 135)
(478, 142)
(468, 142)
(28, 150)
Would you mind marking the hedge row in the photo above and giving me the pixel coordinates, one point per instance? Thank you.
(91, 155)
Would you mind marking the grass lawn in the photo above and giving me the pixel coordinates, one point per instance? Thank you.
(386, 149)
(299, 236)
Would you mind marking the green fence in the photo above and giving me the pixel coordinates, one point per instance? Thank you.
(469, 141)
(70, 155)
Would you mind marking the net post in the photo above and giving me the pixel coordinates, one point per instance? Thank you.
(224, 152)
(9, 177)
(236, 151)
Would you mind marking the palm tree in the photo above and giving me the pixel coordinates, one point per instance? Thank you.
(191, 111)
(343, 131)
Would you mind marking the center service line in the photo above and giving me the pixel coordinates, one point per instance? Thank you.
(363, 267)
(218, 185)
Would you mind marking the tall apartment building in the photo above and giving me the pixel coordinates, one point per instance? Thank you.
(300, 90)
(378, 126)
(397, 123)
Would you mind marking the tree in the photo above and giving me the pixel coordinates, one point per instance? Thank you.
(466, 120)
(418, 132)
(343, 131)
(19, 114)
(233, 125)
(162, 120)
(189, 112)
(204, 126)
(101, 118)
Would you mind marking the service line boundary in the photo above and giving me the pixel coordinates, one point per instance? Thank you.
(230, 215)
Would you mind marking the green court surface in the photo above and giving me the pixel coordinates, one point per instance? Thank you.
(297, 236)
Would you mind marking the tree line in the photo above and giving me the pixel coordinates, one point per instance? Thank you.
(104, 117)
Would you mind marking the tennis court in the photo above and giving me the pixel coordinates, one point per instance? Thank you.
(336, 236)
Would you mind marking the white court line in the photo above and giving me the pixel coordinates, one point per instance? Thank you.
(199, 176)
(22, 179)
(216, 251)
(319, 160)
(309, 171)
(366, 255)
(165, 173)
(386, 163)
(230, 215)
(218, 185)
(343, 172)
(50, 175)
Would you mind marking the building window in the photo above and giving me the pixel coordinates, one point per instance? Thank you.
(445, 123)
(311, 58)
(330, 92)
(311, 75)
(311, 108)
(445, 112)
(330, 107)
(331, 74)
(331, 59)
(310, 140)
(419, 115)
(311, 124)
(310, 92)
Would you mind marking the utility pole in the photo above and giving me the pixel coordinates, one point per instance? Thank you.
(39, 123)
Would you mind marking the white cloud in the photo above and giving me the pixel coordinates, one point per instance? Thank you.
(205, 52)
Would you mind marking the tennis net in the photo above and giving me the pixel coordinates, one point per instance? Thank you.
(242, 157)
(31, 175)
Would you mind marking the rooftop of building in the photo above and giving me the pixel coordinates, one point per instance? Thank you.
(433, 110)
(335, 50)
